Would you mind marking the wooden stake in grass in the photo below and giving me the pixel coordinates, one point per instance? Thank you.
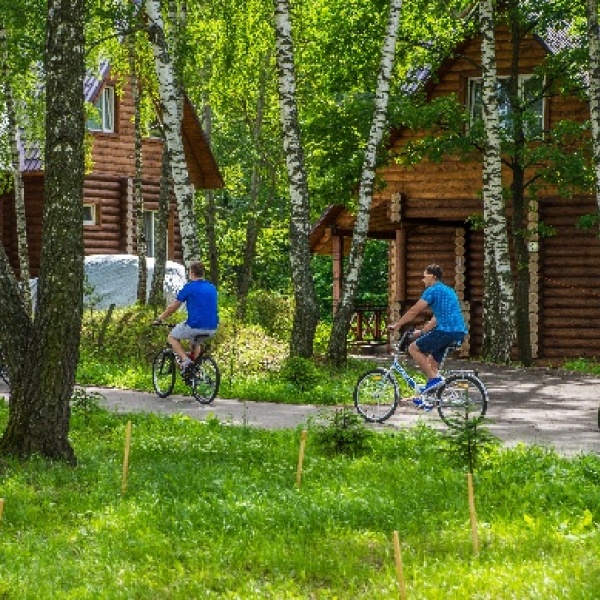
(126, 457)
(301, 458)
(399, 570)
(1, 508)
(473, 514)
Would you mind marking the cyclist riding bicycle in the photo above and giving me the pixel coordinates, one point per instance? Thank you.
(446, 327)
(201, 301)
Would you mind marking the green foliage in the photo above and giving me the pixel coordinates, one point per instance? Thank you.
(467, 441)
(300, 372)
(341, 431)
(206, 501)
(271, 311)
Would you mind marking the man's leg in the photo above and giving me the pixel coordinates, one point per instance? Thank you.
(178, 348)
(425, 362)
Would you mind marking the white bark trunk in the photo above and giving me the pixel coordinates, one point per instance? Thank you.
(498, 292)
(337, 344)
(170, 100)
(593, 32)
(307, 309)
(15, 167)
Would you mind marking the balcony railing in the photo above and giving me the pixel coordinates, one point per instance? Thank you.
(369, 325)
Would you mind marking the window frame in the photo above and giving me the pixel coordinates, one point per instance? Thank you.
(93, 214)
(522, 79)
(105, 107)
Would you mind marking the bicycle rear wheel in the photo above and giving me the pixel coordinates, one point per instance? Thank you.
(204, 379)
(376, 396)
(163, 373)
(462, 398)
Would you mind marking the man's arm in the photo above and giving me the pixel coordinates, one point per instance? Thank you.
(174, 306)
(410, 314)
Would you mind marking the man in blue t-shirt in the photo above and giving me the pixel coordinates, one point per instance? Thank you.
(201, 302)
(447, 325)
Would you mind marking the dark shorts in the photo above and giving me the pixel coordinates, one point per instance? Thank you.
(435, 342)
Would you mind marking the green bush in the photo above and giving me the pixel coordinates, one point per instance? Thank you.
(341, 431)
(273, 312)
(300, 372)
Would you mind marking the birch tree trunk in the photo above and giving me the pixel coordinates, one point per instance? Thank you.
(15, 167)
(306, 313)
(43, 355)
(170, 103)
(337, 350)
(593, 33)
(210, 213)
(157, 291)
(138, 199)
(498, 286)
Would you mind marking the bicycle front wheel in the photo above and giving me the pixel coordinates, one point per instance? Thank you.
(205, 379)
(163, 373)
(376, 396)
(462, 398)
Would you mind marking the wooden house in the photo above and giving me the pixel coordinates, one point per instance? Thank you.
(424, 211)
(108, 210)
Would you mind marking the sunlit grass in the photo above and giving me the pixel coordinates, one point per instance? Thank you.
(212, 511)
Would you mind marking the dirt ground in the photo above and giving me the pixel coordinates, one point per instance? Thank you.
(540, 406)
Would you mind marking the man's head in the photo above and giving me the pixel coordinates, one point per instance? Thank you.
(196, 270)
(432, 274)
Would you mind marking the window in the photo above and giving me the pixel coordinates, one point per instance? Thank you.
(104, 117)
(89, 214)
(530, 91)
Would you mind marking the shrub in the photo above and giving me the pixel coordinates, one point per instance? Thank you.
(273, 312)
(301, 372)
(341, 432)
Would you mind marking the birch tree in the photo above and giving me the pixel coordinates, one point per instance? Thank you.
(345, 309)
(171, 104)
(43, 353)
(498, 287)
(306, 312)
(15, 168)
(593, 35)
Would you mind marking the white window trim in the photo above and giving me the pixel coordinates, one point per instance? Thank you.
(521, 84)
(92, 220)
(105, 105)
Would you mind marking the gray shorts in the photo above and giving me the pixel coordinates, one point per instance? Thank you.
(183, 331)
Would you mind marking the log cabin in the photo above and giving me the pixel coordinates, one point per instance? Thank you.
(108, 208)
(425, 213)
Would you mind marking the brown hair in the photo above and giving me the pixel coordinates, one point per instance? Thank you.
(197, 268)
(435, 270)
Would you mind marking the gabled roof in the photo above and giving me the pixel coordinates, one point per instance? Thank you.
(202, 166)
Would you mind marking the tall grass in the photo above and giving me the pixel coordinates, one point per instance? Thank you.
(212, 511)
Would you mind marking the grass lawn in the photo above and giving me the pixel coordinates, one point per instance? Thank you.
(212, 511)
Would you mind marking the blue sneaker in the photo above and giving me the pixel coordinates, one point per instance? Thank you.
(433, 384)
(419, 402)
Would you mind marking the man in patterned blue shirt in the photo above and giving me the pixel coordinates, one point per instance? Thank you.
(446, 327)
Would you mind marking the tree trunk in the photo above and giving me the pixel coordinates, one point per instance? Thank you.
(170, 103)
(13, 135)
(593, 33)
(498, 288)
(138, 199)
(253, 223)
(39, 408)
(306, 314)
(157, 291)
(520, 209)
(337, 350)
(210, 213)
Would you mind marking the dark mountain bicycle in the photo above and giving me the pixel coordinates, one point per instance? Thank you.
(202, 376)
(378, 393)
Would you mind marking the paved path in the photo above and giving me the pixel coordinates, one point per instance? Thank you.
(533, 406)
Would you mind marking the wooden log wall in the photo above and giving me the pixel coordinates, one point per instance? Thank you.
(569, 282)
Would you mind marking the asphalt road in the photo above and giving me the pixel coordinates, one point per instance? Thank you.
(533, 406)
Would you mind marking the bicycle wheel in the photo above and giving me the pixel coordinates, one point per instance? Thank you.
(376, 396)
(463, 397)
(204, 379)
(164, 370)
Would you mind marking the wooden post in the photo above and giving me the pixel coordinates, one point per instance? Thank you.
(399, 570)
(301, 458)
(126, 457)
(1, 508)
(473, 514)
(337, 257)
